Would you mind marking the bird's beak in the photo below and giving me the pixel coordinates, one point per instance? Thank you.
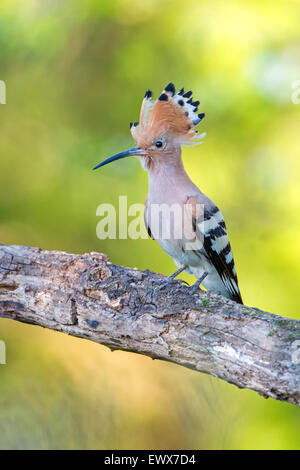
(118, 156)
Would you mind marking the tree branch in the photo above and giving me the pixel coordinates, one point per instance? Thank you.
(131, 310)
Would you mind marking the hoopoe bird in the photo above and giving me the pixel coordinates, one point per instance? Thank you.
(203, 247)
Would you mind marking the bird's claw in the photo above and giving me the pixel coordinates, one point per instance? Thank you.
(182, 281)
(196, 287)
(193, 289)
(168, 281)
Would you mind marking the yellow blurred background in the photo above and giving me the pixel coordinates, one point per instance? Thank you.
(76, 73)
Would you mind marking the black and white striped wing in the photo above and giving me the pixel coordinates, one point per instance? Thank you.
(218, 250)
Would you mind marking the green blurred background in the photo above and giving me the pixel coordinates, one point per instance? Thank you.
(76, 73)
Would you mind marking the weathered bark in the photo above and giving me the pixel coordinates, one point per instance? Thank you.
(132, 310)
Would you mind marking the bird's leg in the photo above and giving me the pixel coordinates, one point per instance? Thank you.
(172, 276)
(195, 286)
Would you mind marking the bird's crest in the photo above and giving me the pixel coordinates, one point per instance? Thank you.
(172, 113)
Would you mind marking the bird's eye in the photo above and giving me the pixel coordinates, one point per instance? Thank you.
(158, 144)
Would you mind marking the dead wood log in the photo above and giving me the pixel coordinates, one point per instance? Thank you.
(132, 310)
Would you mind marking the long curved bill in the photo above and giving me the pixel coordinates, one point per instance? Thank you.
(127, 153)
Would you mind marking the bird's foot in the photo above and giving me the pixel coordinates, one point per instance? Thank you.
(195, 287)
(180, 281)
(169, 281)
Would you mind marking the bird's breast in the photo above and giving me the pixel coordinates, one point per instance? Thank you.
(172, 227)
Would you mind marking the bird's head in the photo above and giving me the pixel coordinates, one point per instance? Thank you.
(164, 125)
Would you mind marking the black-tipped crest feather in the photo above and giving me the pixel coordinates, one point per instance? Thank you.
(170, 88)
